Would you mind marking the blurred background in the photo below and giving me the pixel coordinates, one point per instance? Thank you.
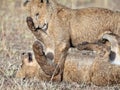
(112, 4)
(16, 38)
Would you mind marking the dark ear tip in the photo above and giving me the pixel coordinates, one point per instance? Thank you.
(30, 56)
(29, 53)
(23, 53)
(112, 56)
(41, 1)
(47, 1)
(25, 3)
(29, 19)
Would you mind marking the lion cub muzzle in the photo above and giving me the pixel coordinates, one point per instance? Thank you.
(31, 25)
(43, 27)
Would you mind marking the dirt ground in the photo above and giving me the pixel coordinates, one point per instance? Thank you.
(16, 38)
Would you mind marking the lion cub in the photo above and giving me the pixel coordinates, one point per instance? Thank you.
(99, 69)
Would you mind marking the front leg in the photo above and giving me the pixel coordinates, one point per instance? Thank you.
(46, 65)
(60, 56)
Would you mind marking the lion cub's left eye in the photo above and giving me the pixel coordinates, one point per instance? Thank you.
(37, 15)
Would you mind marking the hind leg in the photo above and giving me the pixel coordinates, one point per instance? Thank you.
(99, 47)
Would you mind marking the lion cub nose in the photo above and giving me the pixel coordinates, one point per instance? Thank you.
(50, 55)
(30, 57)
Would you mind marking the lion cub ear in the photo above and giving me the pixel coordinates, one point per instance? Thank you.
(44, 1)
(41, 1)
(26, 4)
(47, 1)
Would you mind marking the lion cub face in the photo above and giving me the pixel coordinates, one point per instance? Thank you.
(29, 67)
(38, 10)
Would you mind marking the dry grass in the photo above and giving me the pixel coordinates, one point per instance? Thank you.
(16, 38)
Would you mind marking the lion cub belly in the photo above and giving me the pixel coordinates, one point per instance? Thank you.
(77, 67)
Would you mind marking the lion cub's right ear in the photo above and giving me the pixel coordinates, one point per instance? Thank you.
(26, 4)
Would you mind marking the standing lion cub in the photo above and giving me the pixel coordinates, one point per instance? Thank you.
(59, 28)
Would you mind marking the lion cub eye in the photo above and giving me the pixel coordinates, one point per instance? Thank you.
(37, 15)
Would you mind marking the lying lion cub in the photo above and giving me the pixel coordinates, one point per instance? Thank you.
(79, 66)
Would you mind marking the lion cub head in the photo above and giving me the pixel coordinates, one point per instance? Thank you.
(40, 12)
(39, 22)
(29, 67)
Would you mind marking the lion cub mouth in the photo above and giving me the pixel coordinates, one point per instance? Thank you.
(44, 27)
(32, 26)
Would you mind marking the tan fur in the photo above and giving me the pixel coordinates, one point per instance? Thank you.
(74, 68)
(30, 69)
(86, 69)
(66, 25)
(101, 71)
(79, 66)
